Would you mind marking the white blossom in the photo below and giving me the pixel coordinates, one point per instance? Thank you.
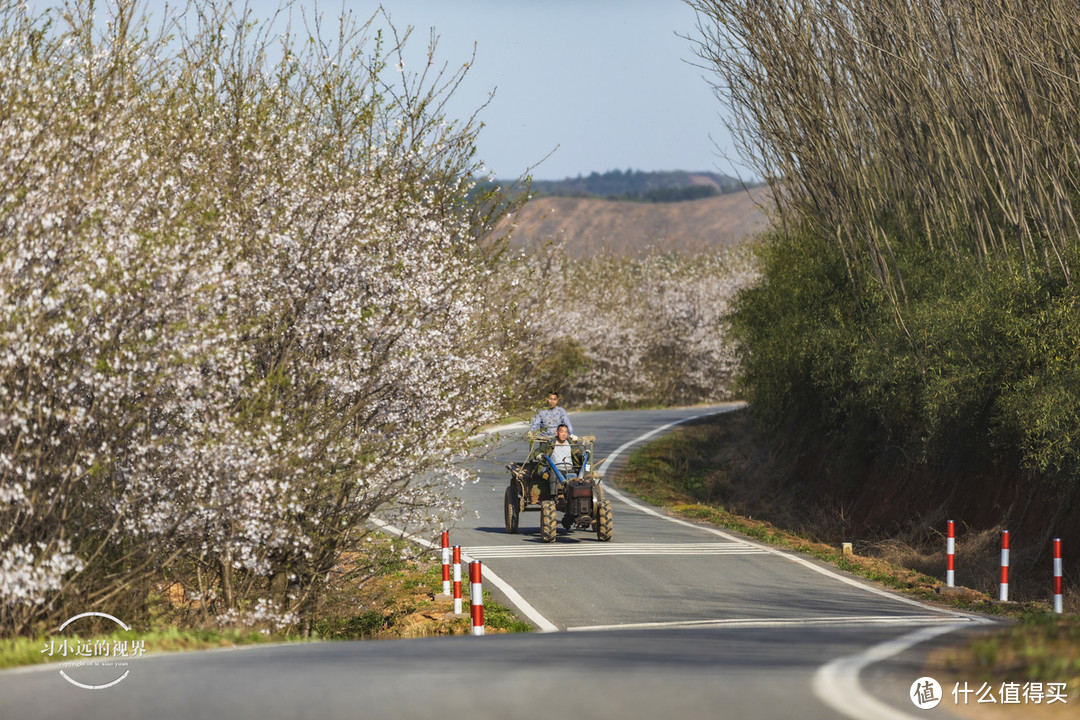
(236, 320)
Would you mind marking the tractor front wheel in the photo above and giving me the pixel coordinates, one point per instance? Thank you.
(510, 510)
(605, 520)
(548, 525)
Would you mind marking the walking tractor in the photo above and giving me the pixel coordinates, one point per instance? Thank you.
(572, 488)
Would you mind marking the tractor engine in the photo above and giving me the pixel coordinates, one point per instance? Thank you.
(579, 498)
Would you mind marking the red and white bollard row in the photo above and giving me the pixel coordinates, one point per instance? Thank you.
(476, 588)
(950, 550)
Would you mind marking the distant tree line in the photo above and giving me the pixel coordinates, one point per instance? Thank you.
(694, 192)
(632, 185)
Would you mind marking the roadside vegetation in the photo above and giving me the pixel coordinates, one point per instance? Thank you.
(251, 297)
(618, 332)
(243, 307)
(398, 596)
(913, 338)
(404, 599)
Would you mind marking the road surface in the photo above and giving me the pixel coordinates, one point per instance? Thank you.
(670, 618)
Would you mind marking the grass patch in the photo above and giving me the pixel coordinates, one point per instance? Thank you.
(34, 651)
(501, 618)
(1038, 647)
(400, 599)
(405, 602)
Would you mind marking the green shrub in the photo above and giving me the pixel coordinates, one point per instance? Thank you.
(975, 367)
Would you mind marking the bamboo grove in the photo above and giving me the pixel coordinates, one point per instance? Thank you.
(946, 123)
(918, 302)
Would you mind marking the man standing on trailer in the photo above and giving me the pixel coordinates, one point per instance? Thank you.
(550, 418)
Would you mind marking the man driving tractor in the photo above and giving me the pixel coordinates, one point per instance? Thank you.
(563, 455)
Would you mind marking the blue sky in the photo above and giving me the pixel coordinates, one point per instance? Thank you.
(598, 84)
(606, 84)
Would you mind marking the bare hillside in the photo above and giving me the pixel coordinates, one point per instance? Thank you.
(589, 225)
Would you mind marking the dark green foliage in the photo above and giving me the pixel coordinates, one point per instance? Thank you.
(366, 624)
(913, 343)
(552, 366)
(975, 368)
(629, 185)
(681, 194)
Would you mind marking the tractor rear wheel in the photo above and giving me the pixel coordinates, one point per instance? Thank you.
(605, 520)
(510, 510)
(548, 525)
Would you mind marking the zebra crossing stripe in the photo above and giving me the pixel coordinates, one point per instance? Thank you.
(594, 549)
(831, 621)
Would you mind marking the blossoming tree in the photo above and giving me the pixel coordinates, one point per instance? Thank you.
(241, 307)
(619, 331)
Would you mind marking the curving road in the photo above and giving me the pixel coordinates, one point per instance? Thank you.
(670, 618)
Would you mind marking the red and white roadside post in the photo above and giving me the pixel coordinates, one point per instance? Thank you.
(457, 579)
(1004, 596)
(1057, 576)
(476, 597)
(446, 562)
(950, 556)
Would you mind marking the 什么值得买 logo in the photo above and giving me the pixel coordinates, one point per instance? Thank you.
(926, 693)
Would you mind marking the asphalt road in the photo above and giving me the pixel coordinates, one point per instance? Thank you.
(669, 618)
(654, 571)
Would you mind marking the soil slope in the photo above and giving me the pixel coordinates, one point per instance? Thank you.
(591, 225)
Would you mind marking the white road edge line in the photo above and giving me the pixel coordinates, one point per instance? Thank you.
(787, 556)
(836, 683)
(838, 678)
(541, 622)
(496, 430)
